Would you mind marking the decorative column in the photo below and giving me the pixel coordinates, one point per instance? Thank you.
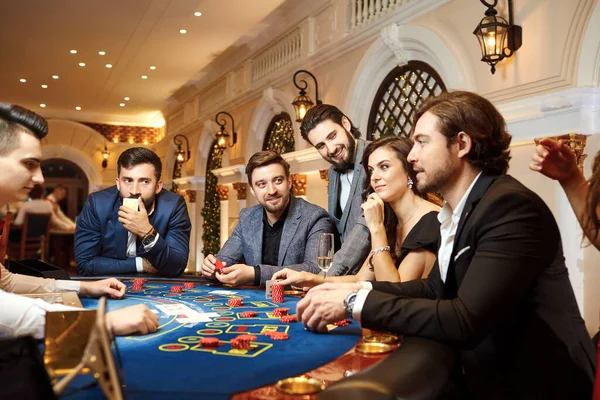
(223, 191)
(299, 185)
(190, 196)
(241, 190)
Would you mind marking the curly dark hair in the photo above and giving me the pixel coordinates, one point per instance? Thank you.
(139, 155)
(324, 112)
(470, 113)
(401, 146)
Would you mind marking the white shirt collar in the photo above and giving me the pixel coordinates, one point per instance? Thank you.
(446, 212)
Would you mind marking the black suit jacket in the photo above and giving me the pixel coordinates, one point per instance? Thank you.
(507, 303)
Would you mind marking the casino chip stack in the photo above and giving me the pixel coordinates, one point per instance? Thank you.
(286, 319)
(344, 322)
(280, 311)
(277, 293)
(248, 314)
(138, 284)
(234, 302)
(176, 289)
(189, 285)
(243, 342)
(209, 342)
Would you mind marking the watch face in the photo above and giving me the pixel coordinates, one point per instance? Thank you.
(148, 239)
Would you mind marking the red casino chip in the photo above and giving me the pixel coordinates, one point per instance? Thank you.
(189, 285)
(209, 342)
(176, 289)
(241, 343)
(279, 336)
(344, 322)
(280, 311)
(234, 302)
(248, 314)
(277, 293)
(250, 338)
(219, 266)
(288, 319)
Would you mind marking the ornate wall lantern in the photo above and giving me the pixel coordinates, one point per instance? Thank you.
(223, 135)
(303, 103)
(181, 154)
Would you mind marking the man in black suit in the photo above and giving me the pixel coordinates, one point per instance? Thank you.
(499, 292)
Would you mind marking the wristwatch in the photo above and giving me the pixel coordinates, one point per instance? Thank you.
(149, 238)
(349, 304)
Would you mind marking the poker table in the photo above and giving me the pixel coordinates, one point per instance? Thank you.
(171, 363)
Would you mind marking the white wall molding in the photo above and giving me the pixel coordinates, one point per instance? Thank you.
(230, 174)
(588, 73)
(191, 182)
(570, 110)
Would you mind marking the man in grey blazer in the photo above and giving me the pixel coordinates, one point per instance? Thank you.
(281, 232)
(336, 139)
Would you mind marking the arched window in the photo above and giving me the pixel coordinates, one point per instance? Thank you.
(280, 134)
(399, 96)
(211, 238)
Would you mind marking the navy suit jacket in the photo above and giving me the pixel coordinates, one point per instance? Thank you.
(101, 240)
(299, 240)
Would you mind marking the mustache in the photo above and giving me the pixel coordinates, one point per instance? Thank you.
(337, 152)
(273, 197)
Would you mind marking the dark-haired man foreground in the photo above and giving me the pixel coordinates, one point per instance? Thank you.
(151, 235)
(500, 292)
(20, 154)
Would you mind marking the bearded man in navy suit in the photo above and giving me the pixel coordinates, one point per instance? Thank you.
(150, 234)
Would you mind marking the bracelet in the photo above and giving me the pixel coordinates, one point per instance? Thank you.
(380, 250)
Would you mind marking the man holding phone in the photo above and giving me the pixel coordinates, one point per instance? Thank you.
(135, 226)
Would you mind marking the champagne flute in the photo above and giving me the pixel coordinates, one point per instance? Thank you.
(325, 252)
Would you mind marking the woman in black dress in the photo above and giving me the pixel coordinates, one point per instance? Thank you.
(402, 222)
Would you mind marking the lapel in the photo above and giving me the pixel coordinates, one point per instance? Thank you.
(479, 190)
(120, 233)
(255, 224)
(290, 225)
(360, 149)
(333, 195)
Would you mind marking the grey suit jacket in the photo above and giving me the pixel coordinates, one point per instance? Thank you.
(355, 236)
(299, 239)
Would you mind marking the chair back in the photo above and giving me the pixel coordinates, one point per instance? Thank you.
(4, 236)
(34, 237)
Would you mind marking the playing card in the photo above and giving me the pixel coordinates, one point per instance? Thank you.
(268, 294)
(131, 203)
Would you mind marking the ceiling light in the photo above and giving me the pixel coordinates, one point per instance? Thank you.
(82, 64)
(102, 52)
(108, 65)
(122, 104)
(144, 77)
(43, 105)
(78, 108)
(44, 86)
(182, 31)
(22, 80)
(198, 14)
(54, 76)
(153, 67)
(126, 98)
(73, 52)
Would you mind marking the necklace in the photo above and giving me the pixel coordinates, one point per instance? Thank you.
(409, 218)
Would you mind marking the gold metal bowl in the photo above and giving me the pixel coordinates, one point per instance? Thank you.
(294, 292)
(381, 338)
(300, 385)
(374, 348)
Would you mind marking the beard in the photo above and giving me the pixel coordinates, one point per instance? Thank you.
(437, 180)
(274, 209)
(347, 162)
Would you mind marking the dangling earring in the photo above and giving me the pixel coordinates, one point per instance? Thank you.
(410, 183)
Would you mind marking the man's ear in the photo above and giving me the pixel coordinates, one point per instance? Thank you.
(252, 190)
(346, 123)
(465, 144)
(118, 183)
(159, 186)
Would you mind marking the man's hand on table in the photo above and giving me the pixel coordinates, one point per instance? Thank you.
(130, 320)
(323, 305)
(208, 266)
(111, 286)
(237, 275)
